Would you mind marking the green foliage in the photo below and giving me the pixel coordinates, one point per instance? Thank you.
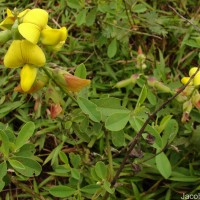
(76, 154)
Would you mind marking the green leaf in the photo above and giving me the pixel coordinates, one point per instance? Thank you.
(112, 48)
(139, 8)
(31, 167)
(91, 16)
(118, 138)
(117, 121)
(163, 165)
(80, 71)
(136, 191)
(106, 186)
(75, 160)
(16, 164)
(63, 157)
(81, 17)
(90, 189)
(101, 170)
(3, 169)
(75, 173)
(5, 143)
(74, 4)
(185, 179)
(163, 123)
(110, 105)
(62, 191)
(170, 132)
(2, 184)
(26, 150)
(54, 154)
(8, 107)
(25, 133)
(158, 140)
(89, 108)
(142, 97)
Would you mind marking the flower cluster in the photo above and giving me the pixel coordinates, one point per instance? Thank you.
(27, 29)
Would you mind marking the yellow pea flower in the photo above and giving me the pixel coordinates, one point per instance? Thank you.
(22, 53)
(196, 80)
(32, 24)
(54, 38)
(8, 21)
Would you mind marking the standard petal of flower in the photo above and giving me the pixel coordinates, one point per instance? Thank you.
(27, 77)
(13, 57)
(36, 16)
(33, 22)
(30, 32)
(192, 71)
(196, 79)
(53, 36)
(32, 54)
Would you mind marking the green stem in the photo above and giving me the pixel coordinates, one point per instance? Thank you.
(110, 161)
(26, 188)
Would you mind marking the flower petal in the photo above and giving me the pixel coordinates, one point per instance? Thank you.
(184, 80)
(196, 79)
(53, 36)
(33, 23)
(23, 13)
(22, 52)
(192, 71)
(30, 32)
(27, 75)
(32, 54)
(8, 21)
(36, 16)
(13, 57)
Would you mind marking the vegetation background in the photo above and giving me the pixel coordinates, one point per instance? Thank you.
(76, 154)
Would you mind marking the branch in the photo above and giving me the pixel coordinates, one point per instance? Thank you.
(26, 188)
(139, 133)
(189, 21)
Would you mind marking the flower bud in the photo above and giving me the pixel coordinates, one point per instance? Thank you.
(187, 106)
(196, 99)
(128, 81)
(69, 82)
(152, 82)
(163, 88)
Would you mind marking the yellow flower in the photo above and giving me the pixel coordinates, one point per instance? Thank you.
(8, 21)
(54, 38)
(196, 80)
(22, 53)
(32, 24)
